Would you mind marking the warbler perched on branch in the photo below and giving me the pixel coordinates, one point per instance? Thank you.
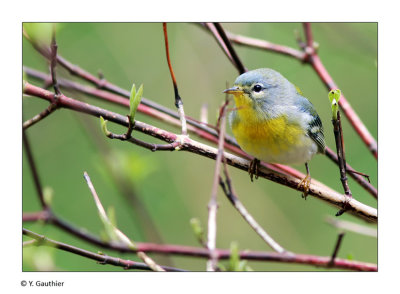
(273, 122)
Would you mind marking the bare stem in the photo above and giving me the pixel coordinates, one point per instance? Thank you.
(336, 250)
(35, 174)
(358, 177)
(38, 117)
(213, 205)
(150, 262)
(100, 258)
(337, 130)
(178, 99)
(225, 44)
(230, 194)
(352, 227)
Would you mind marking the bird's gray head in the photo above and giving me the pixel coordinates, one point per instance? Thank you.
(265, 83)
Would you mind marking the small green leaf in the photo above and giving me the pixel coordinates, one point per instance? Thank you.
(48, 194)
(39, 33)
(135, 99)
(334, 94)
(234, 259)
(132, 96)
(197, 229)
(103, 124)
(334, 97)
(111, 215)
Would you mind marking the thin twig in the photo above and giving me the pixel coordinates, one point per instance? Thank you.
(265, 45)
(29, 243)
(150, 262)
(357, 176)
(237, 62)
(352, 227)
(35, 174)
(38, 117)
(336, 250)
(100, 258)
(319, 190)
(212, 28)
(53, 62)
(231, 195)
(341, 158)
(150, 146)
(213, 205)
(340, 153)
(178, 99)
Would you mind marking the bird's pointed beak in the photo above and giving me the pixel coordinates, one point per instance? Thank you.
(233, 90)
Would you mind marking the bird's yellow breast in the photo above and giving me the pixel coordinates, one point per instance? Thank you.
(263, 138)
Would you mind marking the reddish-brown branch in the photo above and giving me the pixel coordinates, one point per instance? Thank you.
(308, 33)
(178, 99)
(351, 115)
(34, 171)
(100, 258)
(320, 69)
(181, 250)
(265, 45)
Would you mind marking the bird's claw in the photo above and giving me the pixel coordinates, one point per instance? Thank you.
(253, 168)
(306, 183)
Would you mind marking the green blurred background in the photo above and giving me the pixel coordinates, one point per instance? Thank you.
(175, 186)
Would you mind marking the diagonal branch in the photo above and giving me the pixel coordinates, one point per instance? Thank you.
(351, 115)
(35, 174)
(319, 191)
(231, 195)
(223, 41)
(100, 258)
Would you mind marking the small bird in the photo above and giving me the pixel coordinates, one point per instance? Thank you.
(274, 123)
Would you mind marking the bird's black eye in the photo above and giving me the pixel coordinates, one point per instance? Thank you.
(257, 88)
